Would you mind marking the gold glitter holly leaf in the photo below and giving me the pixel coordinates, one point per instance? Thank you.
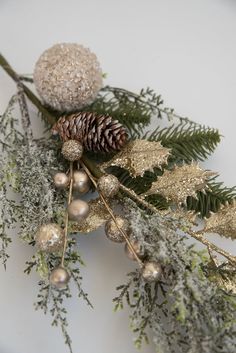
(98, 215)
(179, 183)
(223, 222)
(139, 156)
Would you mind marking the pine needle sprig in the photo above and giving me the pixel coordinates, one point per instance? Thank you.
(50, 299)
(130, 111)
(212, 199)
(133, 110)
(59, 313)
(187, 141)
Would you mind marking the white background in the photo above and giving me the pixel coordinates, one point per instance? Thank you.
(185, 50)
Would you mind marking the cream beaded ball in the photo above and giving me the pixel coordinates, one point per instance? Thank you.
(67, 77)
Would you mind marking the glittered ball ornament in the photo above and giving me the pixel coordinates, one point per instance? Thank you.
(136, 245)
(61, 180)
(50, 238)
(59, 277)
(81, 181)
(112, 231)
(72, 150)
(78, 210)
(108, 185)
(151, 271)
(67, 77)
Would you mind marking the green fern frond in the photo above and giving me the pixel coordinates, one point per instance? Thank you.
(186, 141)
(212, 199)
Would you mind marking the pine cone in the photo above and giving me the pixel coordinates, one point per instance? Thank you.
(97, 133)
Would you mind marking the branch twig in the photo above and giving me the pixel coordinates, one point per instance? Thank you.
(48, 117)
(112, 216)
(198, 236)
(67, 216)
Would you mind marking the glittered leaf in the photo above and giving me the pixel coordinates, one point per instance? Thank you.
(177, 184)
(223, 222)
(139, 156)
(98, 215)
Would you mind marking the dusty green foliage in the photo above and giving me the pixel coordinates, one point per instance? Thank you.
(41, 203)
(8, 207)
(50, 300)
(26, 173)
(184, 306)
(224, 275)
(7, 220)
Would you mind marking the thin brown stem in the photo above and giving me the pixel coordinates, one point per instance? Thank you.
(112, 216)
(130, 193)
(198, 236)
(140, 200)
(67, 216)
(212, 257)
(48, 117)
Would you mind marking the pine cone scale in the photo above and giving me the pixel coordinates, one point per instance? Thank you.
(97, 133)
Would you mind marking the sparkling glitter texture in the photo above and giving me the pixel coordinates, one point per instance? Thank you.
(140, 155)
(72, 150)
(108, 185)
(49, 238)
(113, 233)
(177, 184)
(67, 77)
(98, 215)
(223, 222)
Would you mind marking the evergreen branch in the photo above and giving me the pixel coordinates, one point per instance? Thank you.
(149, 99)
(187, 141)
(57, 311)
(123, 106)
(133, 110)
(59, 314)
(212, 199)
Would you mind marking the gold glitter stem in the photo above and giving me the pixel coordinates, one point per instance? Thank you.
(67, 216)
(140, 200)
(31, 96)
(198, 236)
(112, 216)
